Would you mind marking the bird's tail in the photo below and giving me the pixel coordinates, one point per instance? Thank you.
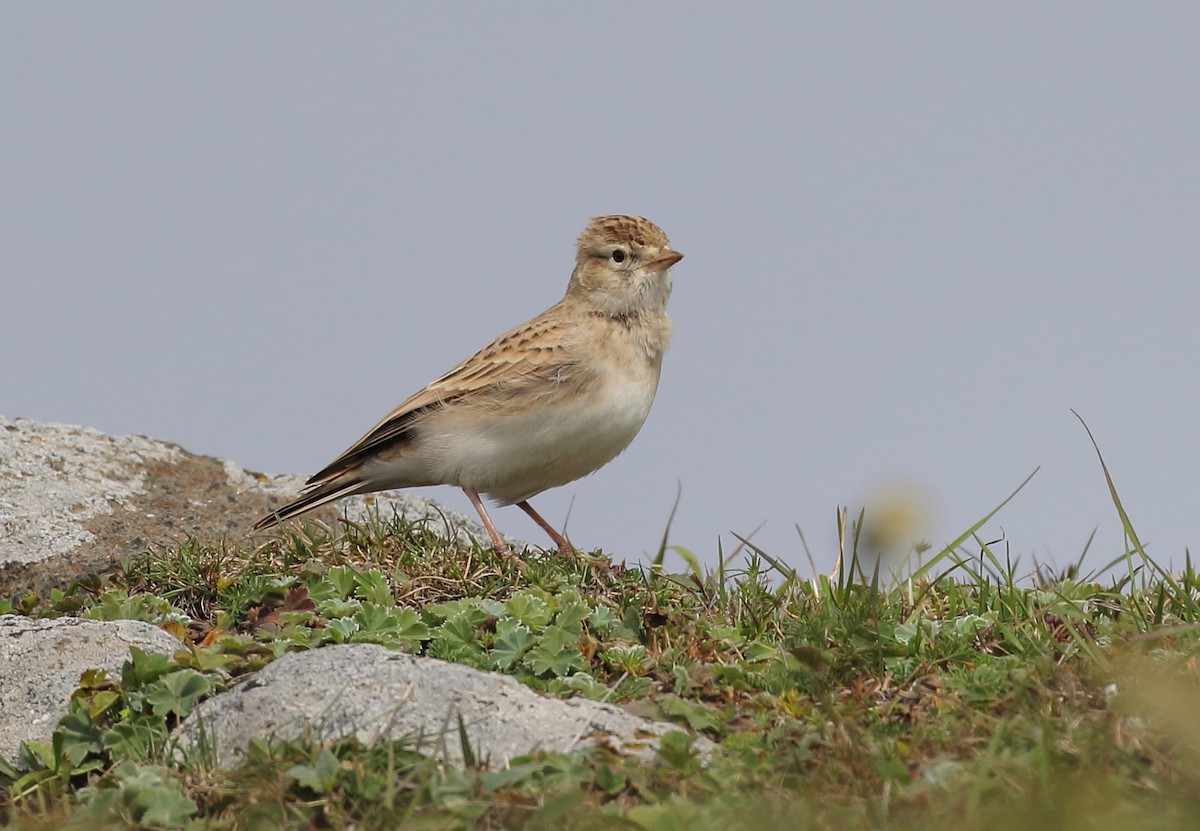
(314, 497)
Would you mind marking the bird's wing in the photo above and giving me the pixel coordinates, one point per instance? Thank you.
(489, 380)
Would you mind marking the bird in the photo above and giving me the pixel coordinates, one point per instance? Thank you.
(542, 405)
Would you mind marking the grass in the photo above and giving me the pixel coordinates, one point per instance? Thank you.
(968, 695)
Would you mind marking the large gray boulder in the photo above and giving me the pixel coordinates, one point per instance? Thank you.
(41, 661)
(376, 694)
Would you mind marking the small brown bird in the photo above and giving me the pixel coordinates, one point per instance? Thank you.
(542, 405)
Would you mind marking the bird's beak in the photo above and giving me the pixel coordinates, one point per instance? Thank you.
(664, 260)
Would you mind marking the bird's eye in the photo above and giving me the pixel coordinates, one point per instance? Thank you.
(618, 255)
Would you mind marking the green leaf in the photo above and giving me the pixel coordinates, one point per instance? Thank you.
(206, 659)
(513, 640)
(409, 625)
(338, 607)
(322, 590)
(321, 776)
(604, 622)
(630, 659)
(572, 615)
(556, 653)
(389, 626)
(143, 668)
(101, 702)
(165, 808)
(76, 738)
(471, 609)
(696, 716)
(610, 780)
(342, 578)
(455, 640)
(116, 604)
(342, 629)
(38, 755)
(178, 693)
(556, 809)
(675, 749)
(157, 799)
(8, 773)
(373, 618)
(759, 651)
(137, 739)
(497, 780)
(579, 683)
(529, 609)
(373, 587)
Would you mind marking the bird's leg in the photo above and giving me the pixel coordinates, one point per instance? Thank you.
(564, 547)
(498, 542)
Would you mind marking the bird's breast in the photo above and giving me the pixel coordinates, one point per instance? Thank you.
(517, 454)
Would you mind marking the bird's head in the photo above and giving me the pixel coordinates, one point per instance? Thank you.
(621, 266)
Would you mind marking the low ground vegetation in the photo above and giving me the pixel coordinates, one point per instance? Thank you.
(966, 694)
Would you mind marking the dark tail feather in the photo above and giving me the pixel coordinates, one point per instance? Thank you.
(319, 496)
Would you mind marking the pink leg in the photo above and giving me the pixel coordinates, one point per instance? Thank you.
(565, 548)
(498, 542)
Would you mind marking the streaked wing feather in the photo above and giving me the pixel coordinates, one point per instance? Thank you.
(533, 351)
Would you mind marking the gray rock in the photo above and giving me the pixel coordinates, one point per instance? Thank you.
(374, 694)
(73, 500)
(54, 478)
(41, 661)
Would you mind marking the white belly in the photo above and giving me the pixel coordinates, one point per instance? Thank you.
(513, 457)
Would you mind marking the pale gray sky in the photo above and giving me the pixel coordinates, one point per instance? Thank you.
(916, 235)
